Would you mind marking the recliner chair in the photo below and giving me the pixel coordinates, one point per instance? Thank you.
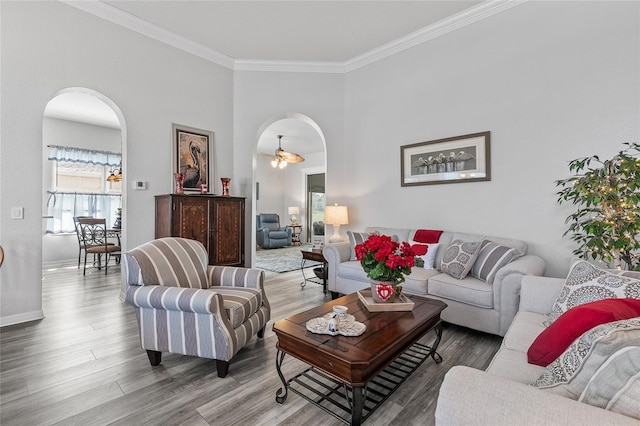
(269, 233)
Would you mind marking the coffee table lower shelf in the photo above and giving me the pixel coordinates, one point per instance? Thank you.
(336, 397)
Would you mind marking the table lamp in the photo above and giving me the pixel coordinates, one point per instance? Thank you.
(336, 215)
(293, 211)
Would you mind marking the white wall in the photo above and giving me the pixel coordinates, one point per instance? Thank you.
(49, 46)
(78, 135)
(552, 81)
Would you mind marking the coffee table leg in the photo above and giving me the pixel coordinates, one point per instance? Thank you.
(358, 405)
(280, 398)
(435, 355)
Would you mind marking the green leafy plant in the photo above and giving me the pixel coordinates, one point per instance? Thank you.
(606, 224)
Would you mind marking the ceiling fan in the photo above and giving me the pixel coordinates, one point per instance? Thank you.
(282, 158)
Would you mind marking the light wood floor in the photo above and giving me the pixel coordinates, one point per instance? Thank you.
(83, 365)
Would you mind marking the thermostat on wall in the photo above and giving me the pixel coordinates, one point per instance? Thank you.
(138, 184)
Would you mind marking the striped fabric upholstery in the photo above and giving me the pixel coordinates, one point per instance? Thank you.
(179, 311)
(239, 303)
(171, 262)
(491, 258)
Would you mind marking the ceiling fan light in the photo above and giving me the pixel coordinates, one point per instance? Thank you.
(274, 162)
(283, 163)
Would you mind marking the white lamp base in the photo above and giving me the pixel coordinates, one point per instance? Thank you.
(336, 238)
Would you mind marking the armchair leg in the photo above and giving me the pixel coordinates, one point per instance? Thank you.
(261, 332)
(223, 368)
(155, 357)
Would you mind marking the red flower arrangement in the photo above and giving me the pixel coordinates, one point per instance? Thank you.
(386, 260)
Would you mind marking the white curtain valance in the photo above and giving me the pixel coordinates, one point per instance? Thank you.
(80, 155)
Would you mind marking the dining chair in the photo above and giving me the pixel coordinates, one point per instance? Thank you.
(94, 238)
(81, 245)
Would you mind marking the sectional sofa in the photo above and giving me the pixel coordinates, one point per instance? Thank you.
(487, 305)
(502, 394)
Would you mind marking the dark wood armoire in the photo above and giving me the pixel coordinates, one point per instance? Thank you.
(216, 221)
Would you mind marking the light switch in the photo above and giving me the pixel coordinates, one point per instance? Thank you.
(17, 212)
(137, 184)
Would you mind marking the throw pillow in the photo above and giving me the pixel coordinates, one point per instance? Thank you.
(428, 236)
(356, 238)
(588, 283)
(556, 338)
(491, 258)
(616, 384)
(430, 257)
(459, 258)
(569, 374)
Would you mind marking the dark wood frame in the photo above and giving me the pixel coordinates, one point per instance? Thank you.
(182, 137)
(475, 169)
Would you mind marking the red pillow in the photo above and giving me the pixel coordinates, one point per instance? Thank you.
(556, 338)
(420, 249)
(428, 236)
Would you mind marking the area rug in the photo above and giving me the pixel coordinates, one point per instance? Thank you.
(282, 259)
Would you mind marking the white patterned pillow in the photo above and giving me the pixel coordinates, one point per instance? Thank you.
(459, 257)
(491, 258)
(429, 258)
(616, 384)
(569, 374)
(588, 283)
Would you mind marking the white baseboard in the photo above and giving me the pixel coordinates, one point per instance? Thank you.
(20, 318)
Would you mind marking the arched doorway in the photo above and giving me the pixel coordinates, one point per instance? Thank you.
(275, 190)
(84, 121)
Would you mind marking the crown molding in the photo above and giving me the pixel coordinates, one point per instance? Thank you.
(112, 14)
(289, 66)
(126, 20)
(459, 20)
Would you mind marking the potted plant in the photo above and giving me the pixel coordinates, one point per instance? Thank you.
(606, 224)
(386, 262)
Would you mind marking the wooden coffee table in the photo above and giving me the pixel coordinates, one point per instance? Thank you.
(355, 375)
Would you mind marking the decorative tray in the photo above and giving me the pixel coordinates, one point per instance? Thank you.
(402, 303)
(348, 327)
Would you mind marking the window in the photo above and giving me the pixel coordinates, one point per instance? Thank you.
(79, 187)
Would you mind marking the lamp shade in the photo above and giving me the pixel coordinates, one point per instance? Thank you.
(336, 215)
(294, 210)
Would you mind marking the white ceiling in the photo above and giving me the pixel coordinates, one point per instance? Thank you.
(319, 31)
(313, 32)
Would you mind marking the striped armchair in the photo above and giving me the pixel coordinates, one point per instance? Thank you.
(185, 306)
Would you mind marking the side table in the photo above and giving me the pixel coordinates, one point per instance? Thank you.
(316, 256)
(295, 237)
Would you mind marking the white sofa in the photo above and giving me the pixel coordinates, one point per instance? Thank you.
(501, 394)
(473, 303)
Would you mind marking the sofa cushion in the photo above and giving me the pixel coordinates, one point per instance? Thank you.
(416, 281)
(511, 364)
(356, 238)
(396, 234)
(430, 257)
(556, 338)
(569, 374)
(459, 257)
(471, 291)
(240, 303)
(491, 258)
(524, 329)
(616, 384)
(352, 270)
(520, 246)
(588, 283)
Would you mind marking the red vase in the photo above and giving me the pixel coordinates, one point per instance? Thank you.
(225, 186)
(179, 177)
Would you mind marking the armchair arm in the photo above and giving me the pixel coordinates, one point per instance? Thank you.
(200, 301)
(474, 397)
(230, 276)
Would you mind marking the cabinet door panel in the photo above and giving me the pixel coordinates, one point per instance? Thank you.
(228, 223)
(193, 220)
